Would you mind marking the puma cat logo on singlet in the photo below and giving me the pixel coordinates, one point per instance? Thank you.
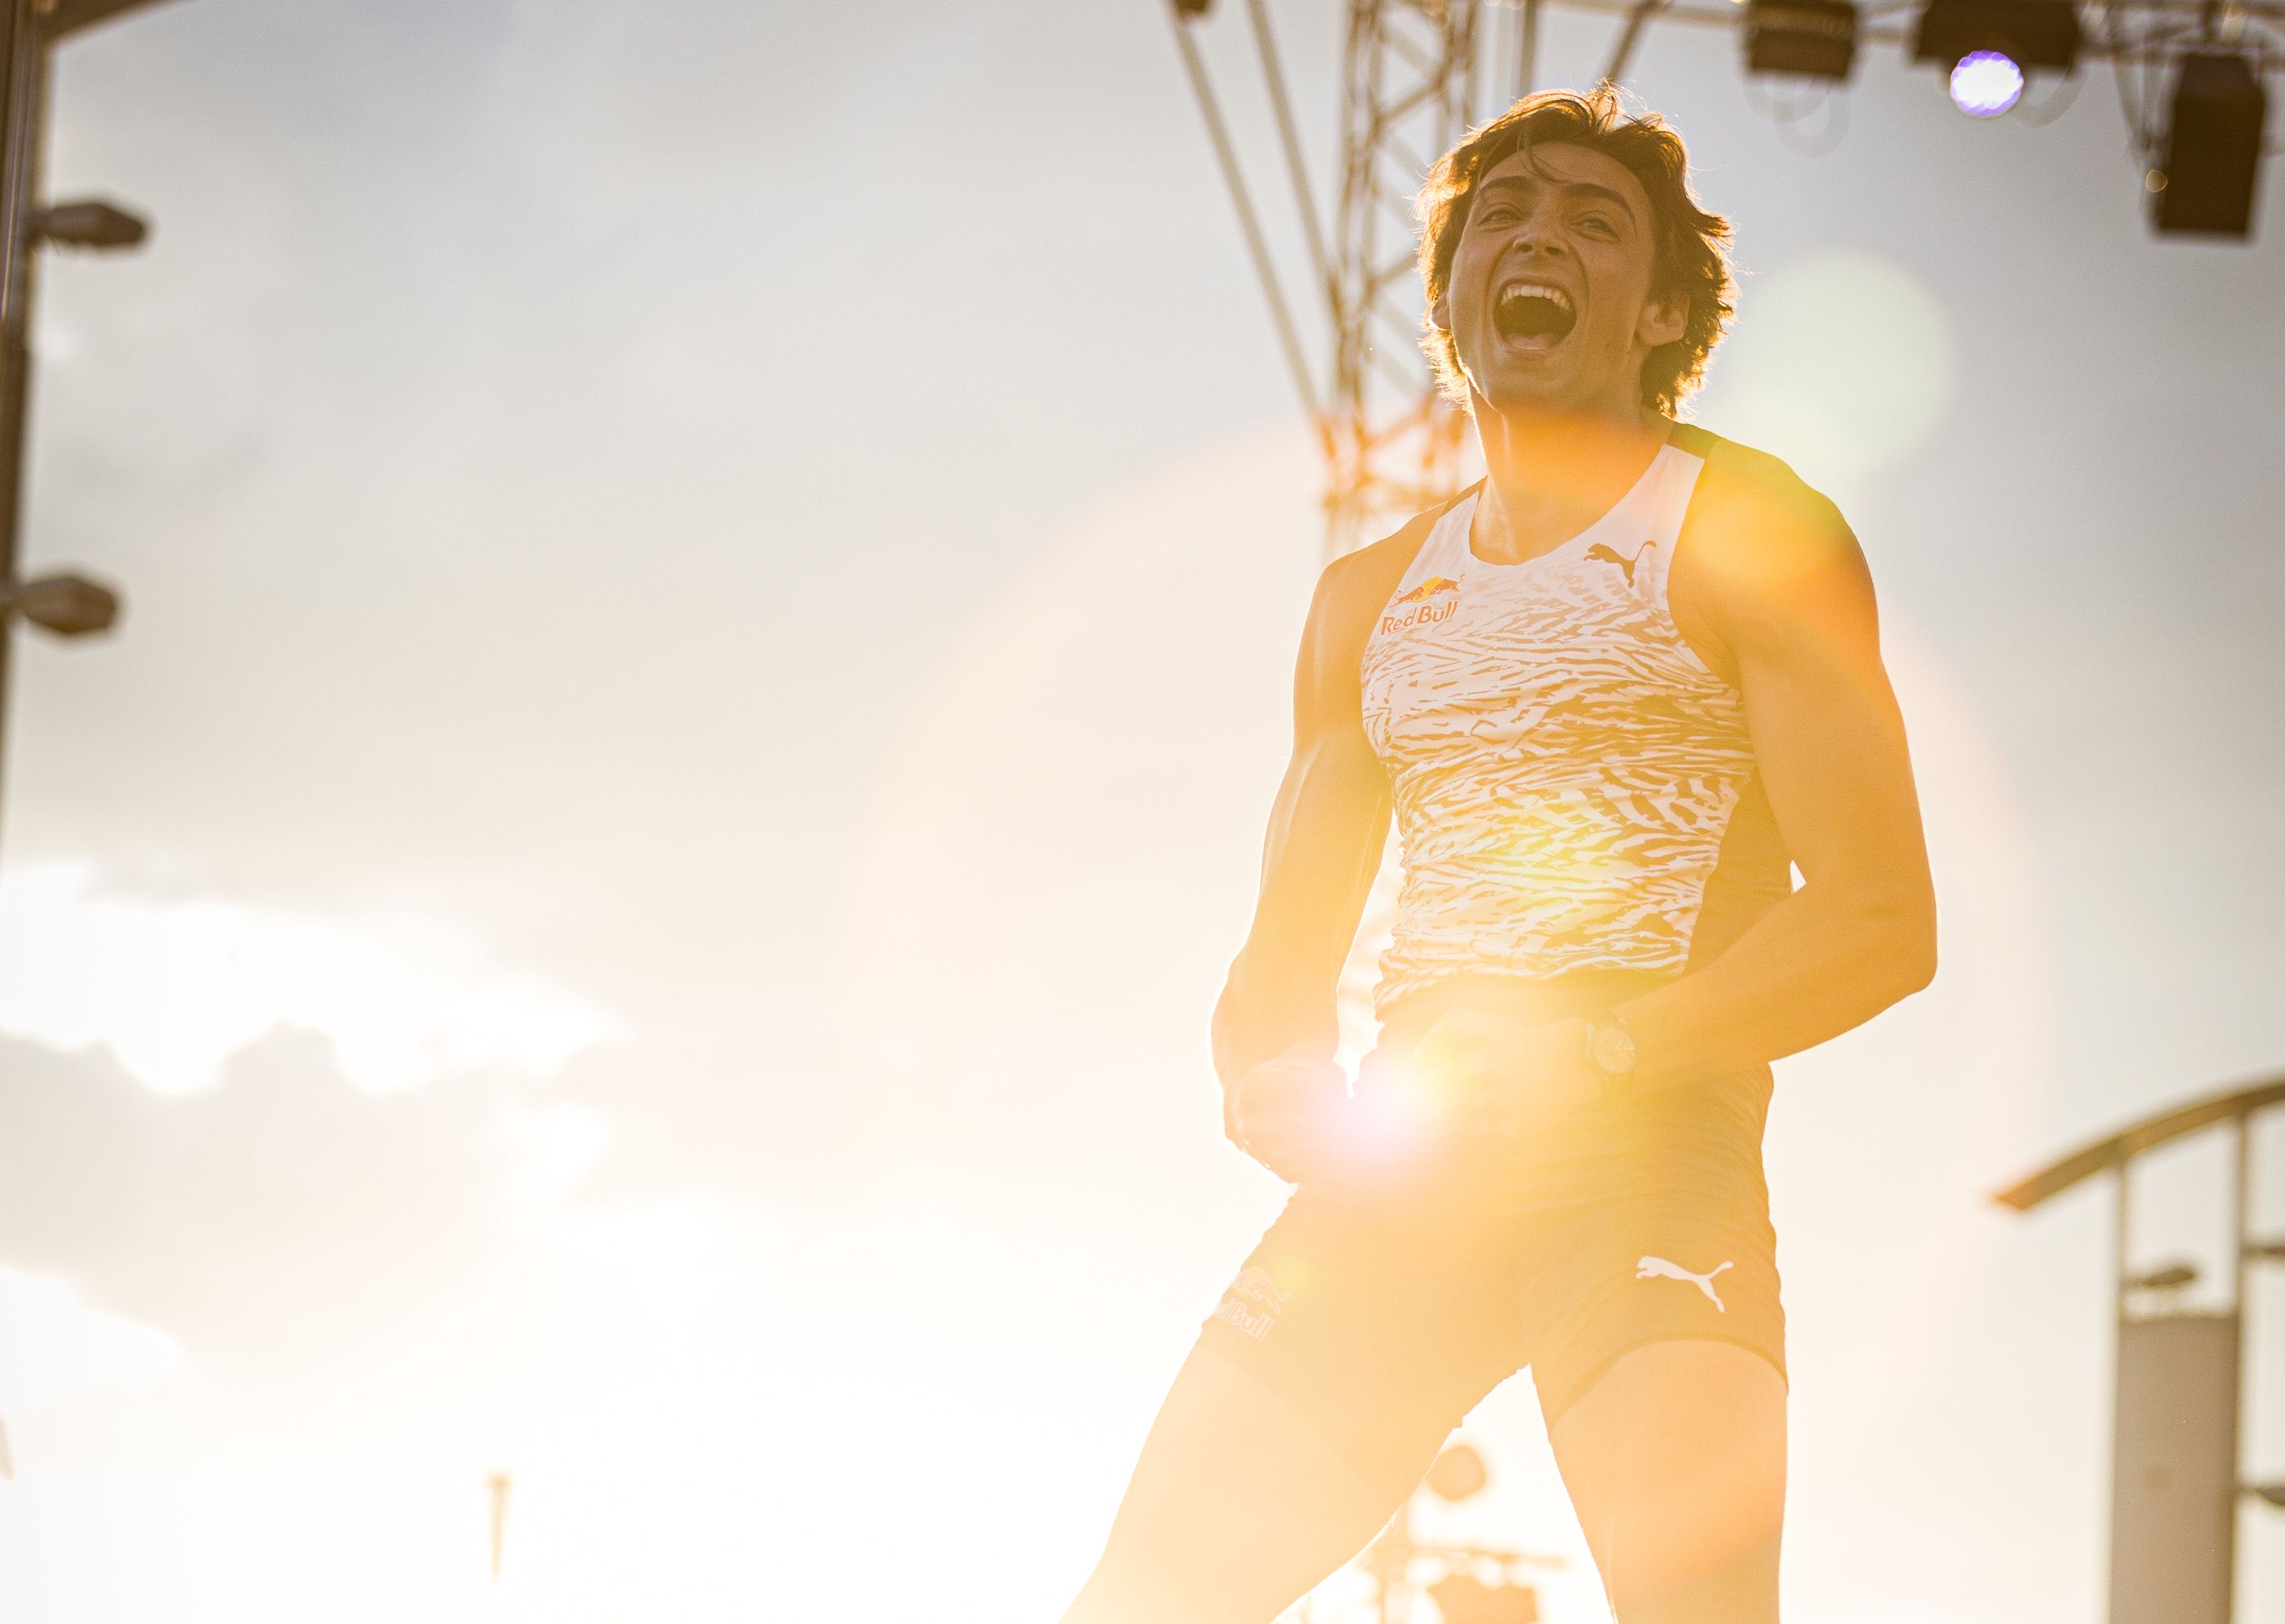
(1650, 1268)
(1603, 553)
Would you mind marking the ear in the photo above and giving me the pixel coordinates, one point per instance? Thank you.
(1440, 313)
(1664, 321)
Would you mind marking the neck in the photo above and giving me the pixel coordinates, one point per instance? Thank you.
(1549, 473)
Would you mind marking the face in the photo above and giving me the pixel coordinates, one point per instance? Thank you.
(1549, 298)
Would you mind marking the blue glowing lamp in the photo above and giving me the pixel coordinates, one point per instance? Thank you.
(1986, 83)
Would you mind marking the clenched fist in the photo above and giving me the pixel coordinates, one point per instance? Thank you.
(1287, 1114)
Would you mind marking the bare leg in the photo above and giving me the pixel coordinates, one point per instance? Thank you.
(1236, 1509)
(1675, 1460)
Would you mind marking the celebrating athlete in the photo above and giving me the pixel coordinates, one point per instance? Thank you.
(1613, 696)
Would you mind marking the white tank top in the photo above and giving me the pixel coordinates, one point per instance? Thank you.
(1564, 766)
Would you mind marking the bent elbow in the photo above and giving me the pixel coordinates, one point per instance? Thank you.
(1917, 968)
(1909, 931)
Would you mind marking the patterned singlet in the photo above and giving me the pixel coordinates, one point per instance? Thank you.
(1573, 788)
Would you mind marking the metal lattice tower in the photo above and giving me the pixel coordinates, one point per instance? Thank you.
(1409, 88)
(1408, 91)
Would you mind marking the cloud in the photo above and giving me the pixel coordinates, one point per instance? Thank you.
(284, 1215)
(174, 987)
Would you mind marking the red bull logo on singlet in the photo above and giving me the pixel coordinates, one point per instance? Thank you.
(1253, 1302)
(1433, 599)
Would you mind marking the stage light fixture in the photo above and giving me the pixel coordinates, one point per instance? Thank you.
(1814, 39)
(1985, 84)
(67, 605)
(89, 223)
(1988, 48)
(2030, 33)
(2209, 169)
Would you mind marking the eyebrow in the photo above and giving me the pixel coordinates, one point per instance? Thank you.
(1518, 183)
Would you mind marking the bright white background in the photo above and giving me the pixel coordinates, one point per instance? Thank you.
(710, 593)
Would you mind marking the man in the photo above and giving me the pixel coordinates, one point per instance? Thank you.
(1615, 696)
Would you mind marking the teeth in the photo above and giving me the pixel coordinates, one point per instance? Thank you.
(1543, 290)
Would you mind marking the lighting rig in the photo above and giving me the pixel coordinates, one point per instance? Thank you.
(2190, 73)
(2191, 76)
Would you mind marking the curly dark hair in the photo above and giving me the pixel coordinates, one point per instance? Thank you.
(1691, 247)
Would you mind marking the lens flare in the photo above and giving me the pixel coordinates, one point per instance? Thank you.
(1986, 83)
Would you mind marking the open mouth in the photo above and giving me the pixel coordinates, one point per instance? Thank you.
(1534, 314)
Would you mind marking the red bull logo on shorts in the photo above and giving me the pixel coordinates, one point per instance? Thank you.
(1433, 599)
(1253, 1302)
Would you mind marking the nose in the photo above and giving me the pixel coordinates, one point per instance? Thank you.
(1537, 238)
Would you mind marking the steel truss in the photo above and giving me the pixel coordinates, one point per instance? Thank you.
(1408, 92)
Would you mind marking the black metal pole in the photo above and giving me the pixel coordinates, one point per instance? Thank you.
(20, 43)
(21, 132)
(2240, 1241)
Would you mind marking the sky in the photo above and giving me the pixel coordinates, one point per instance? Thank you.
(710, 591)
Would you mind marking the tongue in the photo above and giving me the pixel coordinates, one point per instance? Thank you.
(1533, 316)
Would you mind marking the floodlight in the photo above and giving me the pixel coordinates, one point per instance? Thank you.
(89, 223)
(1985, 84)
(1815, 39)
(2209, 167)
(67, 605)
(2273, 1492)
(1192, 8)
(2029, 32)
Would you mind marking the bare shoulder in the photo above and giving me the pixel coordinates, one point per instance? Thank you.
(1753, 514)
(1761, 549)
(1353, 590)
(1362, 580)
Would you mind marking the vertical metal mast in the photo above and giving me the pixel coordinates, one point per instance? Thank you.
(1407, 94)
(23, 80)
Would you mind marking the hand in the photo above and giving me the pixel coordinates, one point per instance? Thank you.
(1501, 1077)
(1285, 1114)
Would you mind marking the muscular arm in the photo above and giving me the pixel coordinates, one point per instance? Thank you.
(1326, 832)
(1776, 590)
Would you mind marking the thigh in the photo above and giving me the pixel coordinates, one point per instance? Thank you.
(1675, 1460)
(1355, 1337)
(1236, 1509)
